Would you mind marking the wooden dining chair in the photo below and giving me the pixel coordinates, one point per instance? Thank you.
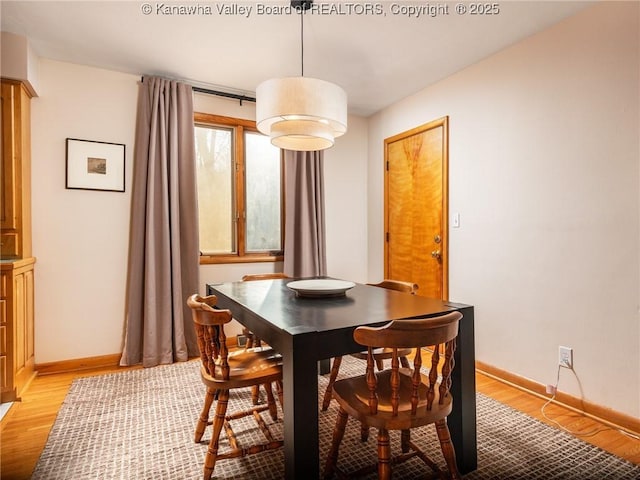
(222, 371)
(380, 354)
(400, 398)
(251, 339)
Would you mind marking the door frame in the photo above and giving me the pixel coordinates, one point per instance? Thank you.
(444, 123)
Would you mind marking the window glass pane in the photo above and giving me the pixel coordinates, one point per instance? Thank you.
(214, 147)
(263, 194)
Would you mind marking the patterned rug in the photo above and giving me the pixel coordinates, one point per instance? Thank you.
(139, 424)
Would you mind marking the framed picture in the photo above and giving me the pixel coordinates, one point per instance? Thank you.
(95, 165)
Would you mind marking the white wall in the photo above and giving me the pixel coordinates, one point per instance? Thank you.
(544, 171)
(80, 238)
(345, 169)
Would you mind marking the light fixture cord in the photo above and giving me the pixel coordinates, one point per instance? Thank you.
(302, 42)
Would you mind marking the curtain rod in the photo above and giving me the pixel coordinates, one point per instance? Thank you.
(219, 93)
(224, 94)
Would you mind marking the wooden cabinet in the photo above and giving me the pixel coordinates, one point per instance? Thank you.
(15, 160)
(16, 327)
(16, 279)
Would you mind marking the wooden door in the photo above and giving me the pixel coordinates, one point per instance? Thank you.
(416, 208)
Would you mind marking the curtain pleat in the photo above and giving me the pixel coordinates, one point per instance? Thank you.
(163, 265)
(305, 250)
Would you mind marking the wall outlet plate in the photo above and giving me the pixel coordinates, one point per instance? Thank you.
(565, 357)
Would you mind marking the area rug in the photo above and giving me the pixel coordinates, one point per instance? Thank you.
(139, 424)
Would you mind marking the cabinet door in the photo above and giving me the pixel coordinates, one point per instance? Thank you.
(15, 168)
(8, 195)
(18, 362)
(23, 327)
(29, 320)
(19, 314)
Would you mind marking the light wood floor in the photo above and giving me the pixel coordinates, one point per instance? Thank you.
(24, 430)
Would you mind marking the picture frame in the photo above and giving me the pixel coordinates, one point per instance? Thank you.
(94, 165)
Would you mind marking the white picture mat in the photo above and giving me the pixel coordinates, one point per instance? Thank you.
(78, 176)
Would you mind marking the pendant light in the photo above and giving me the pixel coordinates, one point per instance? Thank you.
(301, 113)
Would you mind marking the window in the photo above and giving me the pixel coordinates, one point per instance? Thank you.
(240, 203)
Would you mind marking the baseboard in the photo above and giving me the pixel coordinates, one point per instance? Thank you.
(597, 412)
(89, 363)
(78, 364)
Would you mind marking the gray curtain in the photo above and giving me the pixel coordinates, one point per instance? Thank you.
(163, 243)
(305, 251)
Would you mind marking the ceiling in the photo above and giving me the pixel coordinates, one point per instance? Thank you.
(377, 58)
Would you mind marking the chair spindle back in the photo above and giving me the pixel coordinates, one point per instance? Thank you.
(212, 341)
(416, 333)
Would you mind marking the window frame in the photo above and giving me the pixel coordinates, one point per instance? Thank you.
(239, 127)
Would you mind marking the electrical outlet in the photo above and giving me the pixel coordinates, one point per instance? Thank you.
(565, 357)
(551, 389)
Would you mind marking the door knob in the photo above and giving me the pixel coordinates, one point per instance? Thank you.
(436, 254)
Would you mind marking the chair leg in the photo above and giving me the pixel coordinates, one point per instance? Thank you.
(364, 432)
(280, 392)
(405, 438)
(404, 362)
(338, 433)
(380, 365)
(249, 336)
(447, 448)
(212, 450)
(255, 394)
(335, 368)
(255, 390)
(271, 401)
(253, 341)
(384, 455)
(203, 421)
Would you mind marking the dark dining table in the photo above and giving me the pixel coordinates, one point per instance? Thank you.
(307, 331)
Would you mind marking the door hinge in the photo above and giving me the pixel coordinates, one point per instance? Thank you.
(387, 166)
(387, 237)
